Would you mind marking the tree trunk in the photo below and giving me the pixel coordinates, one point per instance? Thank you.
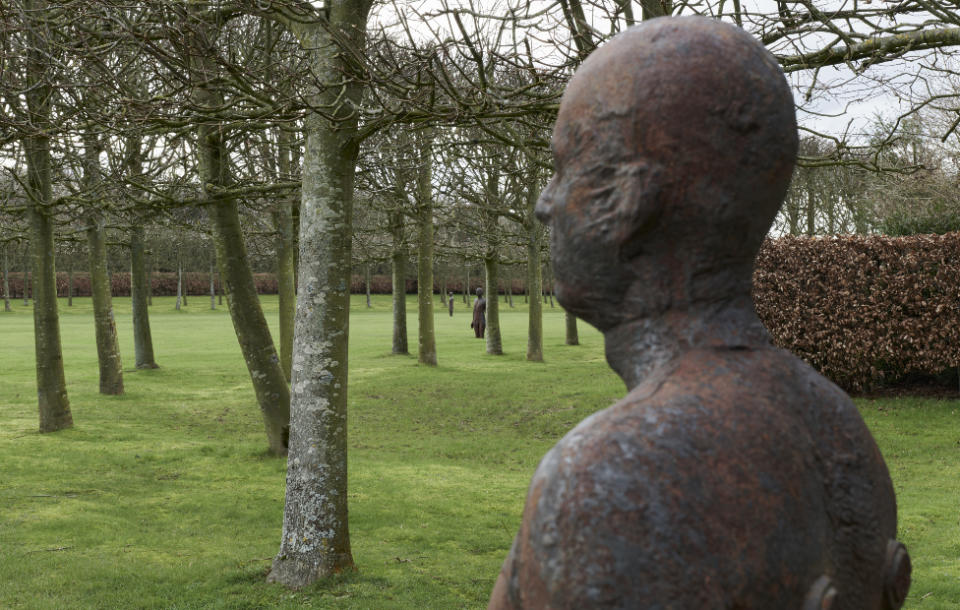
(27, 262)
(70, 280)
(54, 406)
(150, 283)
(108, 347)
(494, 344)
(466, 287)
(6, 280)
(179, 281)
(105, 325)
(573, 337)
(139, 298)
(399, 285)
(213, 283)
(366, 281)
(213, 162)
(286, 252)
(443, 286)
(535, 316)
(316, 539)
(427, 352)
(269, 384)
(220, 288)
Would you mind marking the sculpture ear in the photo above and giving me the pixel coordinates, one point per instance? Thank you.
(638, 208)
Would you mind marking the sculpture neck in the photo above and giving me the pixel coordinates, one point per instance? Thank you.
(638, 347)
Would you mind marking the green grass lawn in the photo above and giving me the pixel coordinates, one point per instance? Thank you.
(165, 498)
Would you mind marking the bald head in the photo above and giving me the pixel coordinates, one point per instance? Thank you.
(677, 138)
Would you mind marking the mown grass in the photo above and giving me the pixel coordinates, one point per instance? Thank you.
(165, 498)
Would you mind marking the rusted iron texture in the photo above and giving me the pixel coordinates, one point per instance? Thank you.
(732, 475)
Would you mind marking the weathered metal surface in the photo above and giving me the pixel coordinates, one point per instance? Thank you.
(732, 475)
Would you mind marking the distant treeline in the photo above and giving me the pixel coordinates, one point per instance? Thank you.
(198, 283)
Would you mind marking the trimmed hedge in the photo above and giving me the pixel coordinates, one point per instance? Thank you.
(863, 310)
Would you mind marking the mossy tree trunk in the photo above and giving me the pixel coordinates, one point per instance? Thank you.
(427, 343)
(105, 325)
(399, 283)
(139, 293)
(54, 406)
(213, 162)
(316, 539)
(494, 342)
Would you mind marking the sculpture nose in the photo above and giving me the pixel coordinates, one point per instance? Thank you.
(544, 208)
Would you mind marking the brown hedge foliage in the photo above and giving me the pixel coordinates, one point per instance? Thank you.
(863, 310)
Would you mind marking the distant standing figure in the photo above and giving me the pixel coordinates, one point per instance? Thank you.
(479, 324)
(450, 303)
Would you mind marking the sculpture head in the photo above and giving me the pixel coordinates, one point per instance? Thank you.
(480, 292)
(674, 146)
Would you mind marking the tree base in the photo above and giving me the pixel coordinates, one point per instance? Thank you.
(297, 574)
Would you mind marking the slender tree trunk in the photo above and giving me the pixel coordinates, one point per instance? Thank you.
(510, 289)
(366, 281)
(70, 280)
(427, 352)
(494, 344)
(213, 162)
(179, 281)
(466, 287)
(316, 539)
(105, 325)
(6, 280)
(535, 316)
(213, 283)
(399, 285)
(27, 262)
(108, 347)
(220, 288)
(443, 286)
(573, 337)
(286, 253)
(286, 284)
(263, 363)
(139, 297)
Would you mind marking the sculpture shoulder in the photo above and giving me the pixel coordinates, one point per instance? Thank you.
(714, 452)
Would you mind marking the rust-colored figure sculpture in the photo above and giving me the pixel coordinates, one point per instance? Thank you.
(732, 475)
(479, 322)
